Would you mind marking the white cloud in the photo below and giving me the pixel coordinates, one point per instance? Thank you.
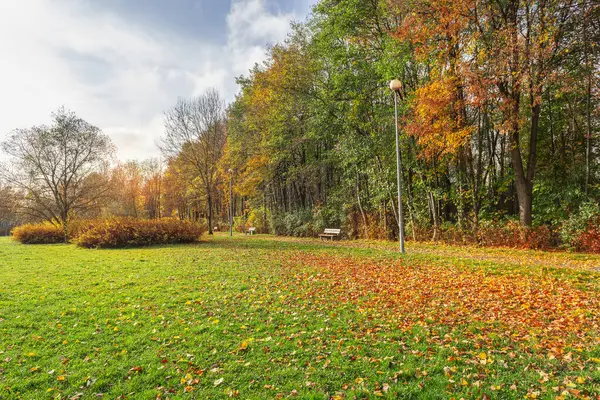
(115, 75)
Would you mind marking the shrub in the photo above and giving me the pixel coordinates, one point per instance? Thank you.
(239, 224)
(588, 239)
(276, 224)
(126, 232)
(513, 234)
(254, 218)
(78, 226)
(296, 223)
(575, 227)
(328, 217)
(299, 223)
(258, 219)
(540, 238)
(44, 233)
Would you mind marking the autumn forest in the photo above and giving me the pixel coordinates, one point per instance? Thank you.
(499, 112)
(499, 119)
(257, 255)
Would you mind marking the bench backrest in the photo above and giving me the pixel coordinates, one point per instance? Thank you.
(329, 231)
(251, 229)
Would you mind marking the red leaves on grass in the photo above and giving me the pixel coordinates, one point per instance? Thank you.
(539, 311)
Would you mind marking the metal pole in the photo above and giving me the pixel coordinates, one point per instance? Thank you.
(231, 205)
(399, 174)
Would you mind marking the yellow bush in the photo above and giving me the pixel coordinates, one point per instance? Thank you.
(126, 232)
(44, 233)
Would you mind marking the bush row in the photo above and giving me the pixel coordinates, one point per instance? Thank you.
(580, 232)
(132, 232)
(113, 233)
(588, 239)
(45, 233)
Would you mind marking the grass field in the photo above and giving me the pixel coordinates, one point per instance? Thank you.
(264, 317)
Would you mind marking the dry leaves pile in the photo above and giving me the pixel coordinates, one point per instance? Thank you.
(540, 313)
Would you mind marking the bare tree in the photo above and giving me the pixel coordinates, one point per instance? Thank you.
(195, 133)
(56, 166)
(152, 190)
(9, 203)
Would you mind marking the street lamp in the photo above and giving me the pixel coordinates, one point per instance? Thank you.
(396, 87)
(230, 202)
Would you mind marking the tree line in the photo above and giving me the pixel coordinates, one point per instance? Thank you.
(498, 116)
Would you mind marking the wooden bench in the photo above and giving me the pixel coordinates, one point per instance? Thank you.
(330, 233)
(251, 231)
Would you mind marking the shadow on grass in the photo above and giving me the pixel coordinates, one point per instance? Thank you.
(267, 243)
(221, 242)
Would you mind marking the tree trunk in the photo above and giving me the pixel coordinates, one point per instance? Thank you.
(210, 213)
(523, 175)
(65, 227)
(525, 199)
(411, 205)
(362, 211)
(265, 224)
(434, 214)
(524, 179)
(588, 136)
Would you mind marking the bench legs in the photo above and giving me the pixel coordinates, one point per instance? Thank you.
(326, 236)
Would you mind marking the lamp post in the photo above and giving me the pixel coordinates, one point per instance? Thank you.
(230, 202)
(396, 87)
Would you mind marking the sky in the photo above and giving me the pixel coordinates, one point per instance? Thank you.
(119, 64)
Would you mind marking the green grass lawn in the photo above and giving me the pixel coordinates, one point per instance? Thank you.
(264, 317)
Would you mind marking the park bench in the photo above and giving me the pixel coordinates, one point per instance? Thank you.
(330, 233)
(251, 231)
